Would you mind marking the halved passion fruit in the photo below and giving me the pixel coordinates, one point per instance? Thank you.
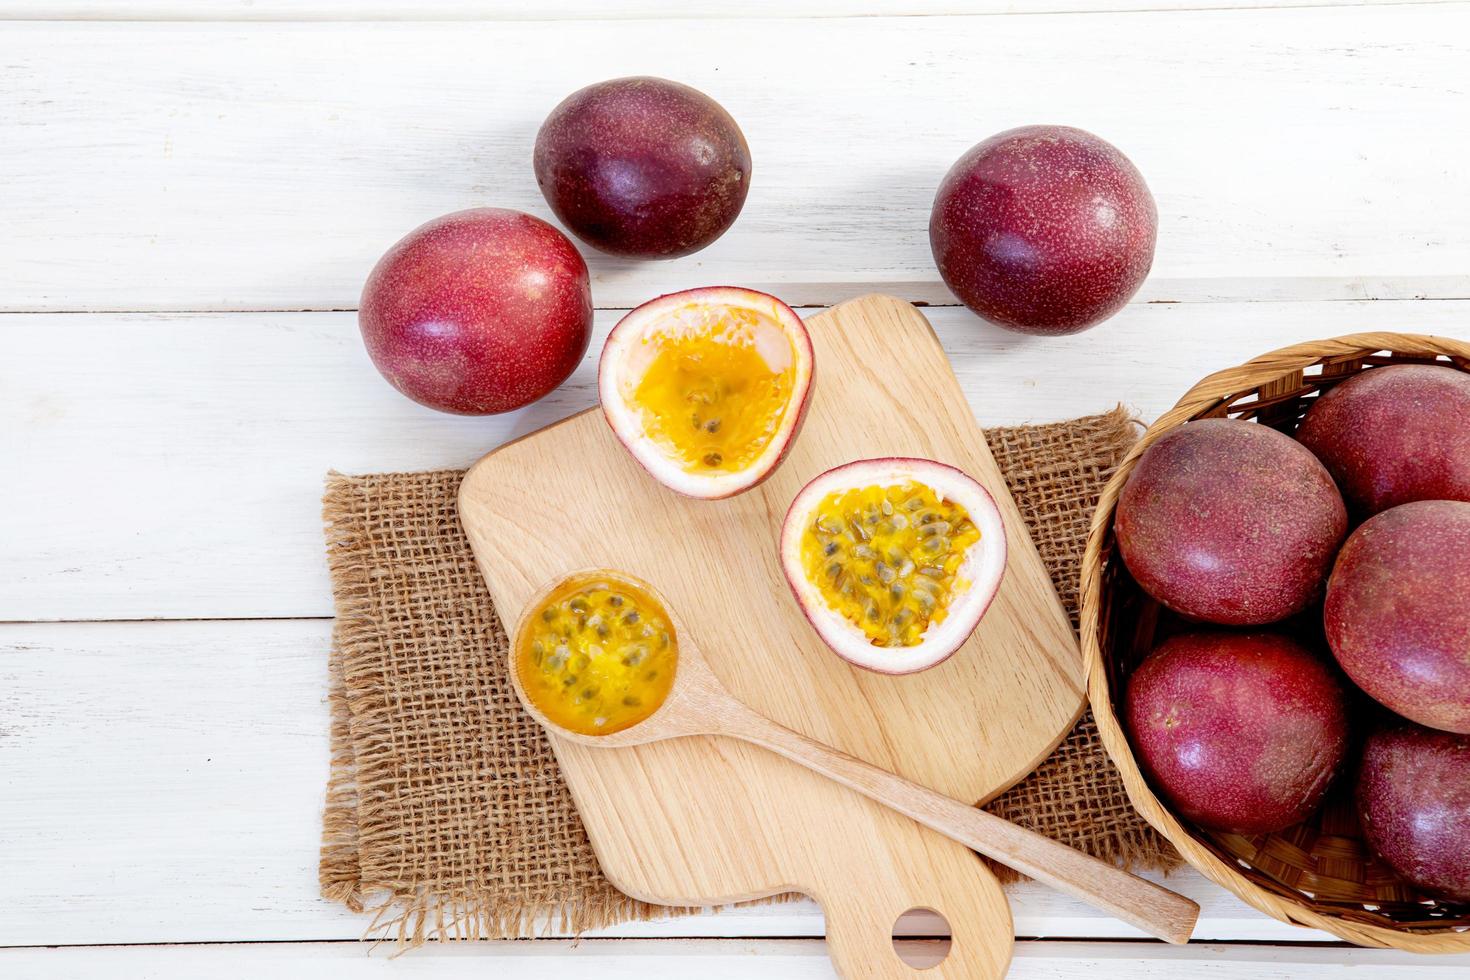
(894, 560)
(707, 388)
(597, 655)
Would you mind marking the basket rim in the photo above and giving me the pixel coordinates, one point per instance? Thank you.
(1207, 394)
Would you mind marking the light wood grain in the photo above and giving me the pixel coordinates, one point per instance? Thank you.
(197, 443)
(713, 821)
(267, 166)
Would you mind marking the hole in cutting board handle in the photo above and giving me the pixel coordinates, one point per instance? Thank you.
(929, 951)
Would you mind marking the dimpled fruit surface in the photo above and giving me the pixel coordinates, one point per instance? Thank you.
(598, 656)
(1394, 435)
(714, 394)
(643, 167)
(1230, 522)
(886, 557)
(1398, 611)
(1242, 732)
(478, 312)
(1043, 229)
(1414, 802)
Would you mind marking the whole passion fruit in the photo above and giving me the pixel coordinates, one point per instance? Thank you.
(707, 388)
(478, 312)
(893, 560)
(1043, 229)
(1398, 611)
(1414, 803)
(1242, 732)
(1394, 435)
(1230, 522)
(643, 167)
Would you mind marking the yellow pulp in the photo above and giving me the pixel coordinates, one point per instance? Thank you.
(598, 656)
(717, 389)
(887, 557)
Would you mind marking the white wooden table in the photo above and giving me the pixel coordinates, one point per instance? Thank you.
(192, 193)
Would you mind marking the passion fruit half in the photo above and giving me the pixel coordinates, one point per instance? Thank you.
(707, 388)
(894, 561)
(597, 655)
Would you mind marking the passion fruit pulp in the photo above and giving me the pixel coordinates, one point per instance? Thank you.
(893, 561)
(597, 655)
(707, 388)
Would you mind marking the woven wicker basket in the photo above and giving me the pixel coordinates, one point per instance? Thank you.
(1318, 874)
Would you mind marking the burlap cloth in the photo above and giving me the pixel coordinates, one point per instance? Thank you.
(445, 809)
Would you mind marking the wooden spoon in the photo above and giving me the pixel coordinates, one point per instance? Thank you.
(698, 704)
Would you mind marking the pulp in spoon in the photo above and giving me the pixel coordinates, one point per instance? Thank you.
(597, 655)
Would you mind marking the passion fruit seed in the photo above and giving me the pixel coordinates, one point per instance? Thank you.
(889, 574)
(598, 659)
(711, 397)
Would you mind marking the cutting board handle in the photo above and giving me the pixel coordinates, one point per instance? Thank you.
(1137, 901)
(862, 912)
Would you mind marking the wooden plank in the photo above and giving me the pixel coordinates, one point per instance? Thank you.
(1305, 146)
(196, 444)
(792, 959)
(310, 10)
(162, 782)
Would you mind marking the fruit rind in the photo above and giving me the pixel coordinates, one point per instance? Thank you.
(456, 339)
(983, 566)
(626, 423)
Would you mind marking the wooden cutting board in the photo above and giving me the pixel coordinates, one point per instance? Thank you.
(705, 820)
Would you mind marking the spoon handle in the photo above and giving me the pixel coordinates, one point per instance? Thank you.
(1152, 908)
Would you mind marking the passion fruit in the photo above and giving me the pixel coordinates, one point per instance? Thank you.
(1394, 435)
(1414, 801)
(1230, 522)
(894, 561)
(643, 167)
(478, 312)
(1242, 732)
(707, 388)
(1396, 613)
(1043, 229)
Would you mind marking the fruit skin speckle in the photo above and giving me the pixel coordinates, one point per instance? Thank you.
(1044, 229)
(1230, 522)
(643, 167)
(1413, 798)
(1242, 732)
(478, 312)
(1394, 435)
(1398, 611)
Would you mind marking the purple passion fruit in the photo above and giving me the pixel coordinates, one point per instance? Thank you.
(1414, 803)
(1398, 611)
(478, 312)
(1242, 732)
(643, 167)
(1394, 435)
(1043, 229)
(1230, 522)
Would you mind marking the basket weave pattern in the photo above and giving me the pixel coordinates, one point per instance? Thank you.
(1320, 873)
